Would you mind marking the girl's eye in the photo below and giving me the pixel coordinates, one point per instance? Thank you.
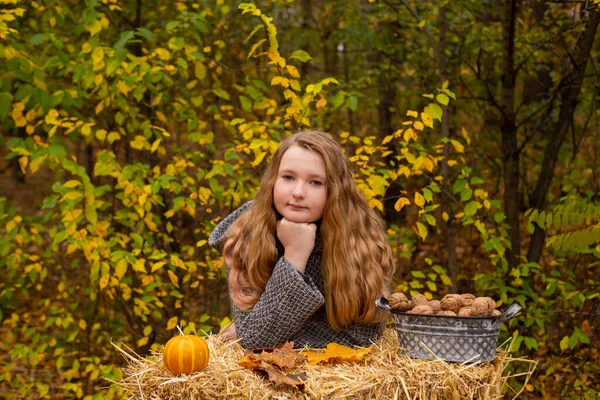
(287, 177)
(316, 183)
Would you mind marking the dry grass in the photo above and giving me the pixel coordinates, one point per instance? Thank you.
(385, 374)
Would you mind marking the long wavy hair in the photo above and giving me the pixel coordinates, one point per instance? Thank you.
(357, 262)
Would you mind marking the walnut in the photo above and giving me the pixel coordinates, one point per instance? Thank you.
(450, 303)
(422, 309)
(467, 299)
(491, 302)
(481, 307)
(419, 300)
(456, 296)
(399, 302)
(447, 312)
(435, 306)
(496, 313)
(465, 312)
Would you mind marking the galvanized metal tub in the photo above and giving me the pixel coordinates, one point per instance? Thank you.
(456, 339)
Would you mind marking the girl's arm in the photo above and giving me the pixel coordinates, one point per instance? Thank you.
(316, 332)
(286, 304)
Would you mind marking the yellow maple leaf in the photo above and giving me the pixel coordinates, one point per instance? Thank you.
(335, 354)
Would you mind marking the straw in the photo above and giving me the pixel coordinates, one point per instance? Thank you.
(385, 374)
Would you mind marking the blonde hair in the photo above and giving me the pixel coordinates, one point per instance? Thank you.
(357, 262)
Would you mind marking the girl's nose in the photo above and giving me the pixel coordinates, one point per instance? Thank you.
(298, 190)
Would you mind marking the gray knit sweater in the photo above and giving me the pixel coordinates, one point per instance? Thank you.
(292, 307)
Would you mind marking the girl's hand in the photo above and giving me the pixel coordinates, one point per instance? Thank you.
(298, 239)
(229, 333)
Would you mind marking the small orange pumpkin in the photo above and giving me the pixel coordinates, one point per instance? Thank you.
(185, 354)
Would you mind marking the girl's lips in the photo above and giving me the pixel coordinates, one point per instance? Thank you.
(296, 207)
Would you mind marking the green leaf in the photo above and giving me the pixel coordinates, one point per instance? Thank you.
(352, 103)
(466, 194)
(49, 202)
(57, 150)
(200, 26)
(470, 208)
(430, 219)
(427, 194)
(90, 213)
(417, 274)
(5, 104)
(516, 344)
(301, 55)
(530, 342)
(172, 25)
(421, 230)
(257, 143)
(338, 99)
(123, 39)
(246, 103)
(573, 340)
(37, 39)
(221, 93)
(442, 99)
(583, 338)
(533, 216)
(541, 221)
(146, 33)
(119, 118)
(435, 111)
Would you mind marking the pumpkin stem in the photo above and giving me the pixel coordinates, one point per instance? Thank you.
(180, 331)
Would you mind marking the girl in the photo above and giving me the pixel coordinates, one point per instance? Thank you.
(306, 258)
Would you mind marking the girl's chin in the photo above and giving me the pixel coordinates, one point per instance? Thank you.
(299, 219)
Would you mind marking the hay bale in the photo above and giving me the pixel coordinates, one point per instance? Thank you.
(385, 374)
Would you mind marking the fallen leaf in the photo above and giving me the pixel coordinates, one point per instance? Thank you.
(271, 361)
(283, 356)
(335, 354)
(281, 379)
(250, 360)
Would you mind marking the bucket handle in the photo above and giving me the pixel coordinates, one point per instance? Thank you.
(383, 304)
(510, 312)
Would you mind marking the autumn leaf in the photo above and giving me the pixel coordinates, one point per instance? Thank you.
(250, 360)
(400, 203)
(271, 361)
(283, 356)
(281, 379)
(335, 354)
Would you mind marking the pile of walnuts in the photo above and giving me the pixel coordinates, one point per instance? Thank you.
(462, 305)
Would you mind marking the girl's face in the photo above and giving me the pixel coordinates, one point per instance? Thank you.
(300, 193)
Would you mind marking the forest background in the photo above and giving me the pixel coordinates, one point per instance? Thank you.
(128, 129)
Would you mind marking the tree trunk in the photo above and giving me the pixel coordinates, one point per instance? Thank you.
(570, 88)
(510, 153)
(537, 88)
(387, 96)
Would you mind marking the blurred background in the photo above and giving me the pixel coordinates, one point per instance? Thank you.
(129, 129)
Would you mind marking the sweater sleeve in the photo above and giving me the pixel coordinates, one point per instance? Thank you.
(316, 332)
(286, 304)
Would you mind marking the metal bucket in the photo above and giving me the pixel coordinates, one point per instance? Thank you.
(456, 339)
